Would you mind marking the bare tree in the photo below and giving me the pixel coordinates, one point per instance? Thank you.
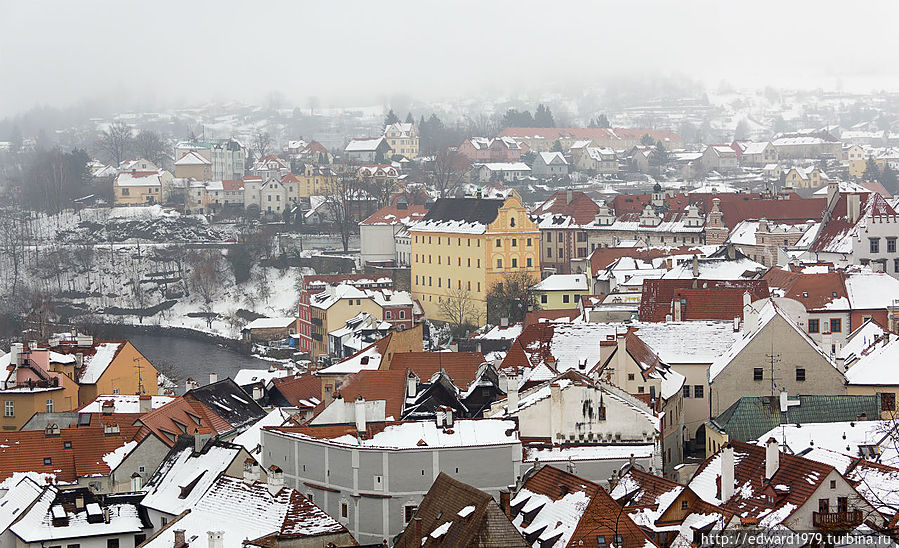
(340, 207)
(262, 143)
(149, 145)
(447, 171)
(116, 141)
(459, 310)
(206, 279)
(510, 298)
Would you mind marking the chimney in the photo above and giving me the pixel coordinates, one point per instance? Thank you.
(504, 321)
(15, 353)
(145, 403)
(677, 309)
(555, 410)
(411, 385)
(416, 532)
(747, 299)
(275, 480)
(505, 502)
(833, 188)
(695, 266)
(569, 195)
(750, 319)
(783, 401)
(512, 394)
(179, 538)
(448, 414)
(216, 539)
(727, 472)
(200, 441)
(621, 358)
(213, 378)
(250, 471)
(361, 427)
(772, 458)
(190, 384)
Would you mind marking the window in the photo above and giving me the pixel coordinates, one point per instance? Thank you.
(499, 243)
(543, 299)
(514, 262)
(887, 401)
(48, 461)
(566, 298)
(549, 237)
(757, 374)
(138, 539)
(800, 374)
(698, 390)
(77, 545)
(895, 265)
(684, 505)
(164, 521)
(112, 543)
(529, 242)
(619, 540)
(639, 389)
(514, 242)
(891, 245)
(528, 262)
(68, 445)
(344, 510)
(402, 314)
(686, 390)
(601, 540)
(630, 376)
(49, 406)
(561, 252)
(836, 325)
(814, 326)
(499, 263)
(512, 222)
(387, 315)
(824, 506)
(378, 483)
(409, 512)
(9, 410)
(874, 245)
(549, 252)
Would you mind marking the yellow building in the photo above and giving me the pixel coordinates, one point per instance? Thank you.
(403, 139)
(193, 165)
(141, 187)
(806, 178)
(65, 375)
(856, 160)
(560, 291)
(330, 310)
(317, 181)
(465, 245)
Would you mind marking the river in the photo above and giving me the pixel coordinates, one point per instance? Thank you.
(187, 357)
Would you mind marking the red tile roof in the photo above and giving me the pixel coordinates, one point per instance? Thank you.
(705, 299)
(602, 257)
(462, 367)
(391, 215)
(181, 416)
(232, 184)
(815, 291)
(297, 389)
(386, 385)
(582, 208)
(839, 225)
(743, 206)
(634, 203)
(601, 135)
(26, 450)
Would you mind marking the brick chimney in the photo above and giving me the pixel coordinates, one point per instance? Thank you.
(505, 502)
(179, 538)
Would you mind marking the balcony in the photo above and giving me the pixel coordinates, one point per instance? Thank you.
(837, 520)
(316, 321)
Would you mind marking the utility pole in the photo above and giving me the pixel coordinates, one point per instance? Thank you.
(772, 359)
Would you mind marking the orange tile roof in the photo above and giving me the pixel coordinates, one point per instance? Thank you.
(181, 416)
(297, 389)
(462, 367)
(582, 208)
(708, 300)
(815, 291)
(391, 214)
(26, 450)
(387, 385)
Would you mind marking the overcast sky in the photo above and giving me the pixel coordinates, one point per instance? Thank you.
(359, 52)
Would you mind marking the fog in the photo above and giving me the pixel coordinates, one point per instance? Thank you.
(164, 53)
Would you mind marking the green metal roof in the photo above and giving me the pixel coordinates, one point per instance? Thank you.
(752, 416)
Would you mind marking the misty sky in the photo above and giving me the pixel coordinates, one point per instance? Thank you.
(166, 53)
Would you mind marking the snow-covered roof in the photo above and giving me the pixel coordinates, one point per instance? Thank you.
(562, 282)
(251, 438)
(94, 365)
(876, 366)
(588, 452)
(140, 178)
(368, 358)
(859, 340)
(365, 145)
(192, 158)
(271, 323)
(868, 290)
(417, 434)
(123, 403)
(504, 166)
(332, 294)
(553, 158)
(264, 376)
(17, 499)
(843, 437)
(37, 524)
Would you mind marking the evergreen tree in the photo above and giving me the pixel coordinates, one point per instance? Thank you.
(391, 118)
(603, 121)
(647, 140)
(410, 119)
(557, 146)
(888, 179)
(872, 172)
(543, 117)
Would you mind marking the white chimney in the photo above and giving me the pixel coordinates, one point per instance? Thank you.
(361, 427)
(772, 458)
(555, 410)
(621, 358)
(727, 473)
(145, 403)
(250, 471)
(783, 401)
(257, 393)
(275, 480)
(750, 319)
(15, 353)
(200, 441)
(213, 378)
(190, 384)
(411, 385)
(448, 413)
(216, 539)
(747, 299)
(512, 394)
(853, 206)
(677, 310)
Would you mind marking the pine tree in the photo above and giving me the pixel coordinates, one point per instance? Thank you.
(603, 121)
(543, 117)
(410, 119)
(391, 118)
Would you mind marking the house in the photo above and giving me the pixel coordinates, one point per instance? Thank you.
(403, 139)
(755, 153)
(751, 417)
(774, 491)
(761, 240)
(375, 475)
(372, 150)
(773, 354)
(499, 171)
(555, 508)
(807, 144)
(270, 166)
(453, 513)
(238, 512)
(302, 392)
(653, 225)
(560, 291)
(501, 149)
(856, 160)
(549, 164)
(723, 212)
(377, 232)
(269, 329)
(228, 157)
(806, 178)
(316, 154)
(597, 160)
(141, 187)
(561, 220)
(683, 300)
(78, 516)
(316, 180)
(65, 374)
(192, 165)
(870, 373)
(465, 245)
(594, 424)
(358, 332)
(721, 158)
(331, 308)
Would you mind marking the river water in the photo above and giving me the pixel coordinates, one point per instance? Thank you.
(186, 357)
